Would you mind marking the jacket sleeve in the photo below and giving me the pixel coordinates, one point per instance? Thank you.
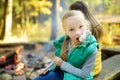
(86, 69)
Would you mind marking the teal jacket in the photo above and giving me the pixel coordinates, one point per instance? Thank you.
(78, 55)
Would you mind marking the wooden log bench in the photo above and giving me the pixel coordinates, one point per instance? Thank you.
(111, 68)
(109, 52)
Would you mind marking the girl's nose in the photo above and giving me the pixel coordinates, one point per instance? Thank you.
(77, 32)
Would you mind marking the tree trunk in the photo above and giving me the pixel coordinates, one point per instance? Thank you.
(22, 14)
(2, 33)
(8, 19)
(54, 16)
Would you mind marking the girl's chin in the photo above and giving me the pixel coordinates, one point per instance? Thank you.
(78, 42)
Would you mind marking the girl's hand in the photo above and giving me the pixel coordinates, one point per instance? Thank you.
(43, 71)
(57, 61)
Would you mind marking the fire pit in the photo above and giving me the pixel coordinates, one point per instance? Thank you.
(11, 63)
(19, 65)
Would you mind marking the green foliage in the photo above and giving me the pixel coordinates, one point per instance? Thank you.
(32, 6)
(34, 32)
(113, 6)
(17, 7)
(42, 6)
(24, 11)
(108, 6)
(1, 3)
(1, 8)
(71, 1)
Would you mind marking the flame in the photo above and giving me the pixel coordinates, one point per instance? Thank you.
(14, 63)
(16, 59)
(18, 50)
(3, 59)
(20, 66)
(17, 56)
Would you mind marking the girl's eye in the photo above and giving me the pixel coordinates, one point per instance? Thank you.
(80, 26)
(71, 29)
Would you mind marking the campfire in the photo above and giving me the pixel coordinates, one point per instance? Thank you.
(12, 62)
(19, 62)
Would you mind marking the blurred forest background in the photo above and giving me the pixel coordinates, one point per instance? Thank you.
(40, 20)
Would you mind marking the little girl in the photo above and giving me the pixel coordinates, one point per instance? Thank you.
(96, 30)
(75, 57)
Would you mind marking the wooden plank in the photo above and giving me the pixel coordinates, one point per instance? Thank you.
(111, 51)
(111, 67)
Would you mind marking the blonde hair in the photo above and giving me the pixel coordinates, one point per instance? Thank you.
(66, 40)
(96, 28)
(74, 13)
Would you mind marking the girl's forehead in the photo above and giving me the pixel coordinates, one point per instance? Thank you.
(74, 20)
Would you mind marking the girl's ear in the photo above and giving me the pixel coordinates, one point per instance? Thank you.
(66, 33)
(88, 24)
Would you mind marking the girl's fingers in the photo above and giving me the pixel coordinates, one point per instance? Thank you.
(57, 61)
(43, 71)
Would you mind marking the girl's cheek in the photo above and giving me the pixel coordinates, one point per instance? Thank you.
(72, 36)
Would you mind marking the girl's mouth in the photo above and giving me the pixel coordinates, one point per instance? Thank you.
(77, 38)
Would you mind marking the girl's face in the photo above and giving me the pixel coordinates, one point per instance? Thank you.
(74, 28)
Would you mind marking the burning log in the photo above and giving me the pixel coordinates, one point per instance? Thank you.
(27, 64)
(11, 63)
(11, 58)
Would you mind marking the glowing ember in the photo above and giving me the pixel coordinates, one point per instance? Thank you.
(3, 59)
(19, 68)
